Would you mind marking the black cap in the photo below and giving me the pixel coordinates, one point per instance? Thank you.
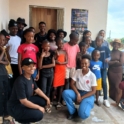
(21, 20)
(12, 23)
(27, 61)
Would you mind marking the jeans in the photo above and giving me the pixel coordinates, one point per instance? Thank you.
(24, 114)
(104, 83)
(4, 94)
(85, 106)
(45, 84)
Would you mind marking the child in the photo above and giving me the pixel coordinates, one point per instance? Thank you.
(12, 47)
(83, 50)
(88, 42)
(4, 85)
(51, 36)
(61, 34)
(59, 74)
(104, 57)
(83, 87)
(95, 66)
(46, 64)
(28, 50)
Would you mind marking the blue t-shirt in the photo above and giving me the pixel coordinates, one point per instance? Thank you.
(96, 68)
(104, 54)
(90, 50)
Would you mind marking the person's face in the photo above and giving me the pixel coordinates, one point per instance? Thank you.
(46, 47)
(42, 27)
(102, 33)
(75, 40)
(99, 42)
(20, 26)
(116, 46)
(29, 36)
(61, 35)
(83, 49)
(88, 41)
(85, 64)
(29, 69)
(52, 36)
(2, 40)
(88, 34)
(96, 56)
(13, 30)
(60, 44)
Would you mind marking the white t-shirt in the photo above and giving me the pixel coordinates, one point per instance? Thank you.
(84, 82)
(14, 43)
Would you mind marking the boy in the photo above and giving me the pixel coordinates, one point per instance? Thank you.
(71, 49)
(4, 87)
(12, 47)
(42, 35)
(83, 88)
(104, 57)
(21, 24)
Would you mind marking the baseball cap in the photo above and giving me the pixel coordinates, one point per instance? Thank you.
(27, 61)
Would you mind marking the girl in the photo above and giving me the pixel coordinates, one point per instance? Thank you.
(59, 74)
(61, 34)
(115, 71)
(28, 50)
(46, 64)
(4, 86)
(95, 66)
(51, 36)
(83, 51)
(88, 42)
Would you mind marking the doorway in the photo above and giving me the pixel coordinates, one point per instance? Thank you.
(53, 17)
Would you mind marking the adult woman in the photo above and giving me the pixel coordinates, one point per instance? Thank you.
(87, 33)
(23, 105)
(115, 71)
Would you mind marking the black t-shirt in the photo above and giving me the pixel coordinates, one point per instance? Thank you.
(23, 88)
(39, 39)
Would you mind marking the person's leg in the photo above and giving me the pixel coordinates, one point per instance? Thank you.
(67, 78)
(97, 98)
(60, 93)
(49, 84)
(43, 84)
(85, 107)
(104, 83)
(69, 97)
(54, 93)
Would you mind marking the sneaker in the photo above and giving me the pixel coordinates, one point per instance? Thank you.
(106, 103)
(64, 103)
(70, 117)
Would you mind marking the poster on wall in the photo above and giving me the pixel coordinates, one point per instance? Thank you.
(79, 20)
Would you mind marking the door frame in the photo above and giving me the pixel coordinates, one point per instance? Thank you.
(48, 7)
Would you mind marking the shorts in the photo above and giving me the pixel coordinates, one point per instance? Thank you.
(69, 72)
(99, 84)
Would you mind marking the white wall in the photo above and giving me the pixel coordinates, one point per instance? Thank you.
(4, 14)
(97, 11)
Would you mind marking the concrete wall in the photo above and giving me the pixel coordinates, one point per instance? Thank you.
(97, 11)
(4, 14)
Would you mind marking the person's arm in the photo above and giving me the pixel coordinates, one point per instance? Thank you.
(40, 61)
(5, 62)
(7, 53)
(41, 94)
(50, 65)
(19, 63)
(2, 54)
(37, 76)
(90, 93)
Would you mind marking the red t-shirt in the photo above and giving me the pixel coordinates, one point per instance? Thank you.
(28, 51)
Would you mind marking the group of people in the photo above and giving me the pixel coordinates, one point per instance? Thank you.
(38, 69)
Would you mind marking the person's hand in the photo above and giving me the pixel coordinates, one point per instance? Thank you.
(42, 109)
(106, 60)
(79, 99)
(57, 62)
(7, 49)
(37, 77)
(116, 61)
(2, 49)
(43, 53)
(48, 102)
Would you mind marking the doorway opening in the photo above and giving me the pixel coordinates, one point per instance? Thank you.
(53, 17)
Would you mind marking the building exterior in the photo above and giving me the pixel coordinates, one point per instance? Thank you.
(97, 12)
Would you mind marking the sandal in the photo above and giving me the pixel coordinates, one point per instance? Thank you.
(59, 105)
(48, 109)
